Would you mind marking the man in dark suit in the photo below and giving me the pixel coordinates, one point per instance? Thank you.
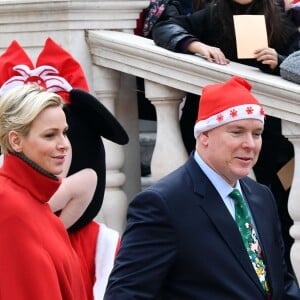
(188, 237)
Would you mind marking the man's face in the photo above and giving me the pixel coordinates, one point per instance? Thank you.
(232, 149)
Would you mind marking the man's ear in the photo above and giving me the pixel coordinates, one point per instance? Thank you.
(203, 137)
(15, 140)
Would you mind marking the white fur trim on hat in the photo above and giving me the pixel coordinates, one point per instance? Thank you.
(240, 112)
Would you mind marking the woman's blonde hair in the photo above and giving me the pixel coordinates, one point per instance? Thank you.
(19, 107)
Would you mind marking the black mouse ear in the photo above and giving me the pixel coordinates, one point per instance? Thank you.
(97, 116)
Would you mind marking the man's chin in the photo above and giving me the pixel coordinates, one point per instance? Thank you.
(243, 172)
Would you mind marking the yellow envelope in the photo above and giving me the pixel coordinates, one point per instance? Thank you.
(250, 33)
(286, 174)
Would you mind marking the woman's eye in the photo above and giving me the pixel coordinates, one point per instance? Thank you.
(49, 135)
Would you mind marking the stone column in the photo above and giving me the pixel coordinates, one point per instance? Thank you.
(106, 84)
(169, 151)
(292, 132)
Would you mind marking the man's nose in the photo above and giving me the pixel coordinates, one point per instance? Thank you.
(249, 141)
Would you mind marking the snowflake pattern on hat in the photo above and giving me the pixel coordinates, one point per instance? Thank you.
(222, 103)
(240, 112)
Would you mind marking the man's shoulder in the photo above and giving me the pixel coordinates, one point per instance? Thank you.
(180, 183)
(252, 184)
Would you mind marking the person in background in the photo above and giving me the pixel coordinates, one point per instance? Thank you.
(210, 33)
(188, 236)
(74, 194)
(96, 244)
(36, 257)
(292, 9)
(162, 10)
(158, 11)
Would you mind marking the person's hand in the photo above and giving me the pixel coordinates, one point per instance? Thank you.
(212, 54)
(267, 56)
(288, 4)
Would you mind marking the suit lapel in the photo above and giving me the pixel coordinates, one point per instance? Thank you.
(213, 205)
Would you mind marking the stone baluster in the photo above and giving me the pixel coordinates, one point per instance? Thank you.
(169, 151)
(114, 207)
(292, 132)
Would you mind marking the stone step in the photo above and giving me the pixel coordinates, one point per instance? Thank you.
(147, 143)
(147, 137)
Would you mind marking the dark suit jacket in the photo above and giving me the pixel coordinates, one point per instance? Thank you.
(182, 243)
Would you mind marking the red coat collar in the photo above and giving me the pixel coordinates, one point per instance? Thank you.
(40, 186)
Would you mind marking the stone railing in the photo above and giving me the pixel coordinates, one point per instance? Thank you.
(168, 76)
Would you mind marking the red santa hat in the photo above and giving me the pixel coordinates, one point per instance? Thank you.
(226, 102)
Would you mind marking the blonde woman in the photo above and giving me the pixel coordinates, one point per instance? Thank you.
(36, 257)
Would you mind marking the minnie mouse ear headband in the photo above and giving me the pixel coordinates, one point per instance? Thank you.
(227, 102)
(57, 71)
(97, 116)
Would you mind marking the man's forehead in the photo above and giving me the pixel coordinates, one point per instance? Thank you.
(245, 123)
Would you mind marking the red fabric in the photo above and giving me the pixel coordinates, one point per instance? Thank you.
(216, 98)
(14, 55)
(53, 56)
(84, 242)
(139, 24)
(36, 257)
(70, 69)
(118, 247)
